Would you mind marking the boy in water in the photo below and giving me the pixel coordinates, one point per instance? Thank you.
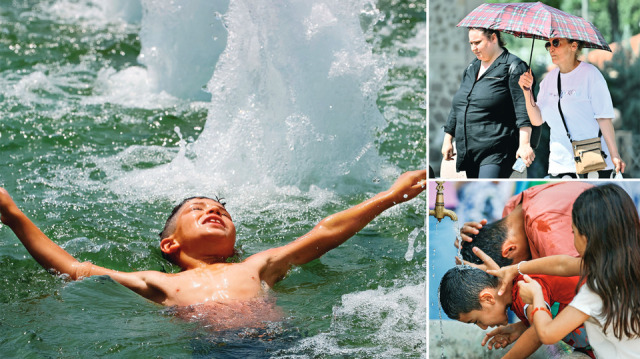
(199, 236)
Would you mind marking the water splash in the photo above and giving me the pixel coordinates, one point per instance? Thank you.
(293, 102)
(408, 256)
(456, 228)
(395, 317)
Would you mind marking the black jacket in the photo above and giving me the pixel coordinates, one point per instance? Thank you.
(486, 114)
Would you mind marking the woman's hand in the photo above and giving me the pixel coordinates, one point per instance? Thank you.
(526, 153)
(619, 163)
(526, 81)
(447, 147)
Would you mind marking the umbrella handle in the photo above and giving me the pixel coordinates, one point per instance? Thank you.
(530, 57)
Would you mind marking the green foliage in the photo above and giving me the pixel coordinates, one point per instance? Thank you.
(622, 74)
(600, 15)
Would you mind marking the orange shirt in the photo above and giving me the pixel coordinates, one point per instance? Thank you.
(547, 216)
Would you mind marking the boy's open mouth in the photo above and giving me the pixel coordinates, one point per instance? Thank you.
(213, 220)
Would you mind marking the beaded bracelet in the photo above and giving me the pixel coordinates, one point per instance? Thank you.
(545, 309)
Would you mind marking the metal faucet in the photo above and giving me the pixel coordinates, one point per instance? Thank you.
(440, 212)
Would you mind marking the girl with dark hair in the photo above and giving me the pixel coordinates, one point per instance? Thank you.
(607, 235)
(488, 117)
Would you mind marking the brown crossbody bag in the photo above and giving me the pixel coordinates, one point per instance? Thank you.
(587, 154)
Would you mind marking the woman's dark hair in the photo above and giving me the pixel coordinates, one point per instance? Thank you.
(489, 32)
(608, 218)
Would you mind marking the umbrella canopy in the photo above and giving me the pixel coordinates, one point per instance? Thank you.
(535, 20)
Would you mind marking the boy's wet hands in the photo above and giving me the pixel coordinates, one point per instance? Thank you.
(468, 229)
(504, 335)
(409, 185)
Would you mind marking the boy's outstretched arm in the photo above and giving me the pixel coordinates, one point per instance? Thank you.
(53, 258)
(48, 254)
(335, 229)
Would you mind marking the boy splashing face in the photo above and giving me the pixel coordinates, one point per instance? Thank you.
(200, 236)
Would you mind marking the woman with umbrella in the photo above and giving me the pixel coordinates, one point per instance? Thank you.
(488, 117)
(585, 104)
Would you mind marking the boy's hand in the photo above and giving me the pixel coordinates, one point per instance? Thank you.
(529, 289)
(468, 229)
(409, 185)
(504, 335)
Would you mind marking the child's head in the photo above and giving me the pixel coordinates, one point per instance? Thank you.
(470, 295)
(607, 235)
(198, 227)
(491, 240)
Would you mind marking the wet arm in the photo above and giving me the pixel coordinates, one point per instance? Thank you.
(53, 258)
(48, 254)
(149, 284)
(526, 345)
(337, 228)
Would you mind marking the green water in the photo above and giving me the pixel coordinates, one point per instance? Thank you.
(62, 145)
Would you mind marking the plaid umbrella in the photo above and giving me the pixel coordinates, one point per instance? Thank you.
(535, 20)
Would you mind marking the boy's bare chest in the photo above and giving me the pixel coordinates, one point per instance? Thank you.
(224, 284)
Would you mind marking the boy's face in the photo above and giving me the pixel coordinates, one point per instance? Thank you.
(204, 227)
(493, 313)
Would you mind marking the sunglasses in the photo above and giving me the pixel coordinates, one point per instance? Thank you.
(555, 43)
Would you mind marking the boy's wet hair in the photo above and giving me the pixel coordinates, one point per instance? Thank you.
(170, 224)
(460, 289)
(489, 239)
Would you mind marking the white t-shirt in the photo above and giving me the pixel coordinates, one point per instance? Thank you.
(605, 345)
(585, 98)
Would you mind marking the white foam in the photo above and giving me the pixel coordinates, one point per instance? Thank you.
(130, 88)
(408, 256)
(394, 317)
(90, 13)
(287, 109)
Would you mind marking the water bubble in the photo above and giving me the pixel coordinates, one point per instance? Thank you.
(406, 196)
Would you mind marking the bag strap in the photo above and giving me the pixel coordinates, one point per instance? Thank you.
(560, 110)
